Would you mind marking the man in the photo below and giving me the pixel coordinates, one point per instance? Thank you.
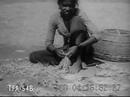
(78, 33)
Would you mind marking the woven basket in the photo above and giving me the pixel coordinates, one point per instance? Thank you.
(114, 45)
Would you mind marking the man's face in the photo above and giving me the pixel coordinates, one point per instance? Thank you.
(67, 7)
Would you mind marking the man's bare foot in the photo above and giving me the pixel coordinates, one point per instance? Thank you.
(76, 67)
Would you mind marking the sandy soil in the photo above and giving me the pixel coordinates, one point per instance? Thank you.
(105, 79)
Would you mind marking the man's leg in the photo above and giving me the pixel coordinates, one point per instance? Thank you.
(44, 56)
(76, 58)
(77, 66)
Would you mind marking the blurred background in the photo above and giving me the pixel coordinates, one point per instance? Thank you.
(24, 23)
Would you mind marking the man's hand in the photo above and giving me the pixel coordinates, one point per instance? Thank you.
(60, 53)
(72, 50)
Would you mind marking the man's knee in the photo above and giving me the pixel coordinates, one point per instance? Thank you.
(33, 57)
(42, 56)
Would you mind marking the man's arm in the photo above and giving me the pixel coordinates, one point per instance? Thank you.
(51, 34)
(89, 41)
(91, 29)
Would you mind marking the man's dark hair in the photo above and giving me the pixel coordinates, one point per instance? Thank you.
(74, 2)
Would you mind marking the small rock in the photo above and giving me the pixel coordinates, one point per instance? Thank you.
(1, 79)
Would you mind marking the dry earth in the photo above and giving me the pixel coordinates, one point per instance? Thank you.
(20, 77)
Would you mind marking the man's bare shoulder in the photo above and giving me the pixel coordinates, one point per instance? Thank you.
(55, 16)
(83, 14)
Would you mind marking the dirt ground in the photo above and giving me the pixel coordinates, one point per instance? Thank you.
(104, 79)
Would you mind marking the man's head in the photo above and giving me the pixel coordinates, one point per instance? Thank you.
(73, 2)
(67, 7)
